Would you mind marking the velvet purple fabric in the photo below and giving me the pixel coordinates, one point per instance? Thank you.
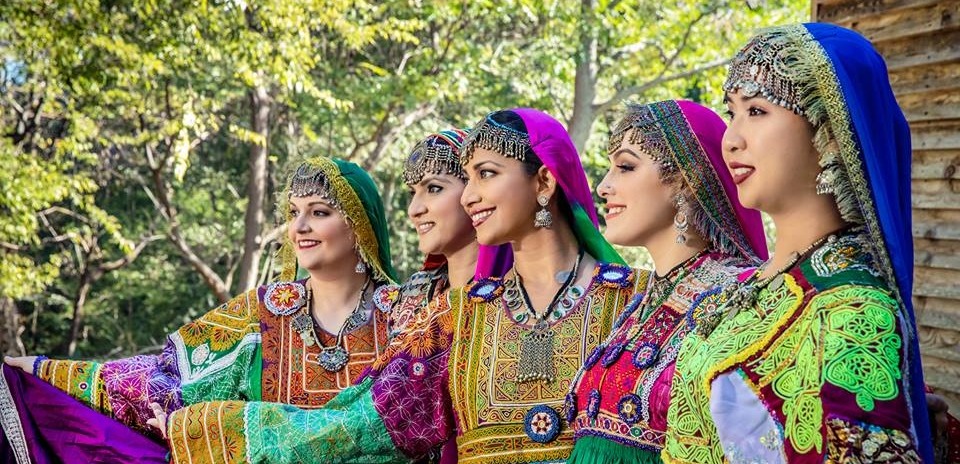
(56, 428)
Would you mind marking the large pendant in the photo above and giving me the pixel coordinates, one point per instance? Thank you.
(333, 358)
(536, 355)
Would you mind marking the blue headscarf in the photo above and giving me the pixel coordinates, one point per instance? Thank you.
(836, 79)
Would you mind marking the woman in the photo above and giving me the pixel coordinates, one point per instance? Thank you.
(490, 362)
(667, 190)
(433, 174)
(816, 359)
(293, 342)
(445, 235)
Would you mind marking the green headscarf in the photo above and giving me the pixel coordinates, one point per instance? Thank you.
(351, 191)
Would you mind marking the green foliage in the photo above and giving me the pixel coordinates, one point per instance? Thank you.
(128, 125)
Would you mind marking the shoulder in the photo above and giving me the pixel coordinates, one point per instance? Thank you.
(226, 324)
(842, 261)
(483, 290)
(386, 296)
(283, 298)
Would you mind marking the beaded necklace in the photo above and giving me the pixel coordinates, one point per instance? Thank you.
(536, 345)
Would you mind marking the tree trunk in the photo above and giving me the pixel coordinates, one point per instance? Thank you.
(260, 103)
(10, 329)
(80, 299)
(585, 81)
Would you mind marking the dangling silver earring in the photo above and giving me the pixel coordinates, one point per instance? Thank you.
(543, 219)
(680, 219)
(826, 181)
(360, 268)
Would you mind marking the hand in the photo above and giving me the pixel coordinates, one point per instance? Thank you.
(25, 363)
(159, 420)
(938, 408)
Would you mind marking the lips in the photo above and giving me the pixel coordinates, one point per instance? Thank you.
(614, 211)
(425, 227)
(307, 244)
(740, 172)
(479, 217)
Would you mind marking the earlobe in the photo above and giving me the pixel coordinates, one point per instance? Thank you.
(546, 182)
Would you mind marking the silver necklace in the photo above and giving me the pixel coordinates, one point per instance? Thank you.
(334, 357)
(536, 345)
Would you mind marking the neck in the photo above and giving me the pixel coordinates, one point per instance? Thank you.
(799, 228)
(668, 254)
(462, 264)
(335, 293)
(539, 256)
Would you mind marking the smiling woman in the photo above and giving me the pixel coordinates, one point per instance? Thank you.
(296, 342)
(488, 363)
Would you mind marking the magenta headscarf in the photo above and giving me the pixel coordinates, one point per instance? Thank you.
(691, 135)
(551, 143)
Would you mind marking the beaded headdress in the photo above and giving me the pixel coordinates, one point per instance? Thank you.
(786, 66)
(437, 154)
(642, 122)
(491, 135)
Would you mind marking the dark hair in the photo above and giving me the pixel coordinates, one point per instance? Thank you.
(532, 162)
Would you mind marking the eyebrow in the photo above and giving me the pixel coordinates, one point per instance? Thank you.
(743, 98)
(313, 203)
(482, 163)
(433, 178)
(625, 150)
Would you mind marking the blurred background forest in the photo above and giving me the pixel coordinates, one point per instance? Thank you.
(143, 140)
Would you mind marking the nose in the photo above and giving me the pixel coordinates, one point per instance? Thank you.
(416, 207)
(732, 143)
(604, 188)
(300, 223)
(469, 197)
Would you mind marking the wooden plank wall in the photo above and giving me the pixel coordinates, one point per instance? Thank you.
(920, 41)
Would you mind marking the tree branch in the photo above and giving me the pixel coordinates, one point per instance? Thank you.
(626, 92)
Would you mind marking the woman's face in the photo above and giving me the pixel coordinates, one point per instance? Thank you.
(639, 206)
(443, 227)
(320, 235)
(500, 197)
(769, 151)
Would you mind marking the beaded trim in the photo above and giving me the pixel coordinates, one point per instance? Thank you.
(436, 154)
(491, 135)
(10, 421)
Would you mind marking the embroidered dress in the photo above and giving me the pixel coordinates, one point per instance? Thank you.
(621, 397)
(452, 372)
(245, 349)
(414, 296)
(812, 372)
